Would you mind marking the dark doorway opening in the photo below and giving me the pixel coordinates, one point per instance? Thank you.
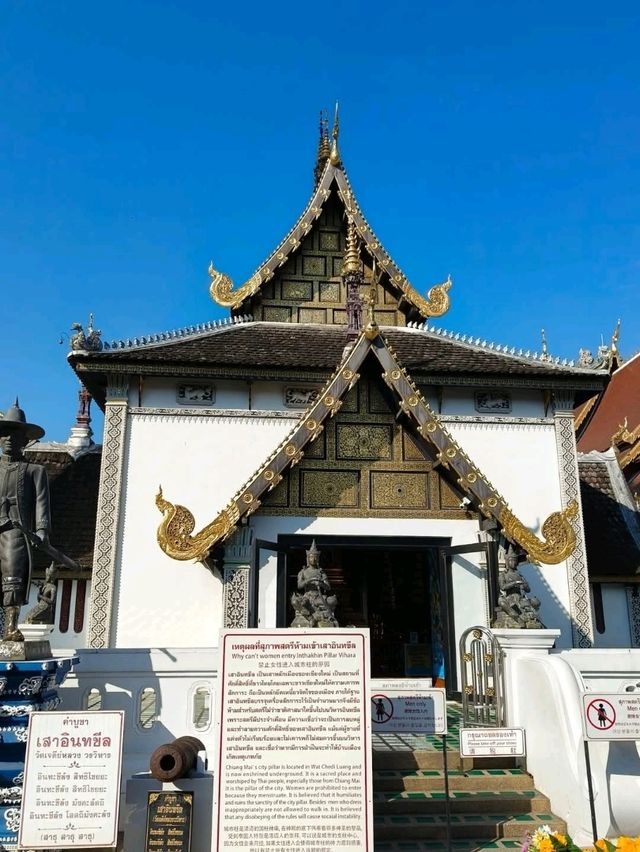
(393, 587)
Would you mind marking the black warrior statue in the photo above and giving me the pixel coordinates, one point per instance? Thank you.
(24, 514)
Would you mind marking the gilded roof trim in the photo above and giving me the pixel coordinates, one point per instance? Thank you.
(176, 528)
(437, 302)
(222, 289)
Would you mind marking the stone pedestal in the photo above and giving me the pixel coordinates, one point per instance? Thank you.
(137, 796)
(25, 687)
(515, 644)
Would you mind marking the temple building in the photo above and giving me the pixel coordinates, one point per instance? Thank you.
(329, 407)
(330, 455)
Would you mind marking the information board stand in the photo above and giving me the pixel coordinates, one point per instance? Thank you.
(607, 717)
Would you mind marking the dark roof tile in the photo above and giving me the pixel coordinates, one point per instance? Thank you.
(73, 486)
(279, 345)
(611, 548)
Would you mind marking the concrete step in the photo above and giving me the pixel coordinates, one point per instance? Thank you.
(478, 827)
(415, 759)
(471, 802)
(427, 780)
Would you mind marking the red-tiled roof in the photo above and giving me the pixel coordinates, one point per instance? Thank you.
(620, 400)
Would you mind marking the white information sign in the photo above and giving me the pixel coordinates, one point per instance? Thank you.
(71, 787)
(492, 742)
(294, 755)
(611, 716)
(398, 706)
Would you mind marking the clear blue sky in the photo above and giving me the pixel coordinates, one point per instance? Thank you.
(499, 142)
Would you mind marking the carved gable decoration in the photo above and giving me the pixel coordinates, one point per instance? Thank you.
(366, 464)
(309, 287)
(176, 531)
(301, 281)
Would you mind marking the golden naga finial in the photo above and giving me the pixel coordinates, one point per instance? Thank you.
(177, 525)
(558, 535)
(352, 254)
(221, 288)
(334, 157)
(621, 431)
(437, 302)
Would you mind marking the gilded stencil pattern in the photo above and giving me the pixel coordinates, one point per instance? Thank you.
(333, 489)
(366, 441)
(399, 490)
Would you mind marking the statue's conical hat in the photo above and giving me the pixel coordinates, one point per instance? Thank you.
(14, 420)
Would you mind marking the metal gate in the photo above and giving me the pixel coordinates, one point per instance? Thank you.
(481, 678)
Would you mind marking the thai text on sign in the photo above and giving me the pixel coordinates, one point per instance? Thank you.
(492, 742)
(71, 788)
(611, 716)
(407, 705)
(294, 738)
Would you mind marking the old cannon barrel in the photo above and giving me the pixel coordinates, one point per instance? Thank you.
(176, 759)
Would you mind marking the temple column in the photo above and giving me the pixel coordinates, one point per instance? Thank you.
(238, 558)
(577, 573)
(108, 516)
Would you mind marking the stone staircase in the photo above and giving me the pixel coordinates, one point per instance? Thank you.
(493, 804)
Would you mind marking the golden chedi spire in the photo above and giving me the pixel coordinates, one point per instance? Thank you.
(351, 261)
(335, 154)
(324, 149)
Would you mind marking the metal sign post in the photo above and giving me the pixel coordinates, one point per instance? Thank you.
(399, 706)
(447, 801)
(607, 716)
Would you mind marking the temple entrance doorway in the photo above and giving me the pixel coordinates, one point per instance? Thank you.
(393, 587)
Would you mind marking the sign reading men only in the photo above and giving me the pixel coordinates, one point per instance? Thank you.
(294, 756)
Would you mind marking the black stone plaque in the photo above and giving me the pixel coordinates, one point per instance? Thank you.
(169, 818)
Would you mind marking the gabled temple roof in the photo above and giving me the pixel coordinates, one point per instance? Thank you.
(334, 181)
(263, 346)
(175, 532)
(619, 402)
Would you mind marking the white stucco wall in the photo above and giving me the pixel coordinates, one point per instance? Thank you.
(521, 461)
(160, 392)
(202, 457)
(200, 461)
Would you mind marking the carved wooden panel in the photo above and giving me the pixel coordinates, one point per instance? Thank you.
(308, 288)
(364, 441)
(329, 489)
(313, 315)
(297, 290)
(273, 313)
(329, 241)
(399, 490)
(314, 265)
(365, 464)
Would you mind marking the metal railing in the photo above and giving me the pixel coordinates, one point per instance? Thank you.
(482, 679)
